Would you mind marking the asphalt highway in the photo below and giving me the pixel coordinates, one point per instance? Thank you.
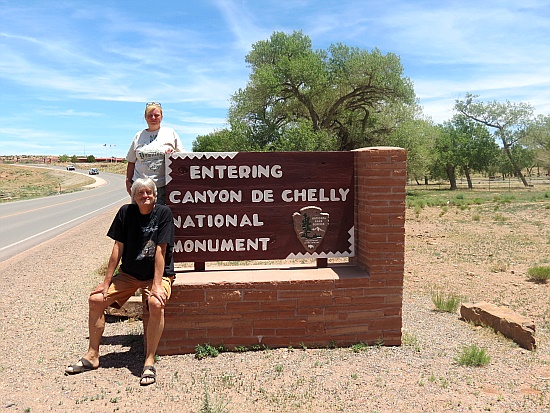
(25, 224)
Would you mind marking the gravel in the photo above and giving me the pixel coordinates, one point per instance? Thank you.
(43, 311)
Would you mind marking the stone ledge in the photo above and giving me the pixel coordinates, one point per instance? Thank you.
(503, 320)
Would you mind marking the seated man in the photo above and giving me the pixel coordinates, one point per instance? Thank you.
(143, 232)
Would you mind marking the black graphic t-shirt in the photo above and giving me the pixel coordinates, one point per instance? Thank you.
(140, 235)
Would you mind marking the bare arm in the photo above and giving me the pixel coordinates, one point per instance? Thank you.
(114, 259)
(130, 176)
(157, 289)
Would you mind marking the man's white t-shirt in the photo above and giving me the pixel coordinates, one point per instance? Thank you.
(147, 152)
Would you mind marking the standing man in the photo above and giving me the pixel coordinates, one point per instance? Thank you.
(143, 232)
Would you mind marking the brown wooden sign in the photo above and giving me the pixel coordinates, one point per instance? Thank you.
(261, 205)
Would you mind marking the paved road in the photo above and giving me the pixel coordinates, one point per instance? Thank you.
(25, 224)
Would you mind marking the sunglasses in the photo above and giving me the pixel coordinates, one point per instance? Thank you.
(153, 103)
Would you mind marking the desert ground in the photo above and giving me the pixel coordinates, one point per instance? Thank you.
(481, 253)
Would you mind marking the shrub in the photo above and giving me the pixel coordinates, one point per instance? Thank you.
(539, 274)
(473, 356)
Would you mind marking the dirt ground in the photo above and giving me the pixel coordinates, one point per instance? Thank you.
(479, 253)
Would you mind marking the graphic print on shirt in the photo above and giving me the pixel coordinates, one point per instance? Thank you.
(151, 154)
(149, 246)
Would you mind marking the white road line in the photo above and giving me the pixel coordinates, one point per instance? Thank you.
(60, 225)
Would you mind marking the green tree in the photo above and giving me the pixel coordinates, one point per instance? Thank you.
(64, 158)
(224, 140)
(464, 146)
(476, 149)
(90, 158)
(537, 138)
(417, 136)
(510, 120)
(74, 159)
(350, 94)
(447, 158)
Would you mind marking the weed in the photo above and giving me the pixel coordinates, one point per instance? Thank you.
(498, 267)
(205, 350)
(539, 274)
(212, 406)
(445, 302)
(473, 356)
(258, 347)
(359, 347)
(476, 217)
(411, 340)
(228, 380)
(303, 346)
(500, 218)
(279, 368)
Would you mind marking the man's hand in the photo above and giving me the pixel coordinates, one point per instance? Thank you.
(158, 292)
(101, 288)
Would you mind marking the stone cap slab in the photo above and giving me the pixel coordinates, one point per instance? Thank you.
(514, 326)
(267, 273)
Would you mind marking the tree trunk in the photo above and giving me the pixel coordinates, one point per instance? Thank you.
(468, 177)
(515, 167)
(452, 178)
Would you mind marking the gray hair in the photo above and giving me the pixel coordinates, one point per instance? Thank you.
(143, 183)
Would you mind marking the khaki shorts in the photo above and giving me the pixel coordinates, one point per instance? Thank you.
(123, 286)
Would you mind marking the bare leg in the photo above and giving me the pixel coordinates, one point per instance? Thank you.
(96, 326)
(155, 327)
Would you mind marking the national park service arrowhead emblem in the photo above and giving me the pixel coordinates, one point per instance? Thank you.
(310, 224)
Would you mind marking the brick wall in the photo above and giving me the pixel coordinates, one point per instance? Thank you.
(280, 307)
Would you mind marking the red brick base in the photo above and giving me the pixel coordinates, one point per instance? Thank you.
(315, 307)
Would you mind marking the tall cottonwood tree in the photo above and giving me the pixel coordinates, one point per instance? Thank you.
(344, 91)
(464, 145)
(509, 120)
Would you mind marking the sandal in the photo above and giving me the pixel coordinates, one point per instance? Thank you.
(76, 368)
(148, 373)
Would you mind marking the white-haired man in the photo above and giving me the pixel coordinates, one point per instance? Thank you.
(143, 234)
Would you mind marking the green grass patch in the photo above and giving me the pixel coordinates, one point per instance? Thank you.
(445, 302)
(421, 196)
(473, 356)
(539, 274)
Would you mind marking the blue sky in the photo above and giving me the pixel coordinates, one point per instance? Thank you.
(75, 75)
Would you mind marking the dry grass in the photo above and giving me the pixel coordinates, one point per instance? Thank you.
(26, 182)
